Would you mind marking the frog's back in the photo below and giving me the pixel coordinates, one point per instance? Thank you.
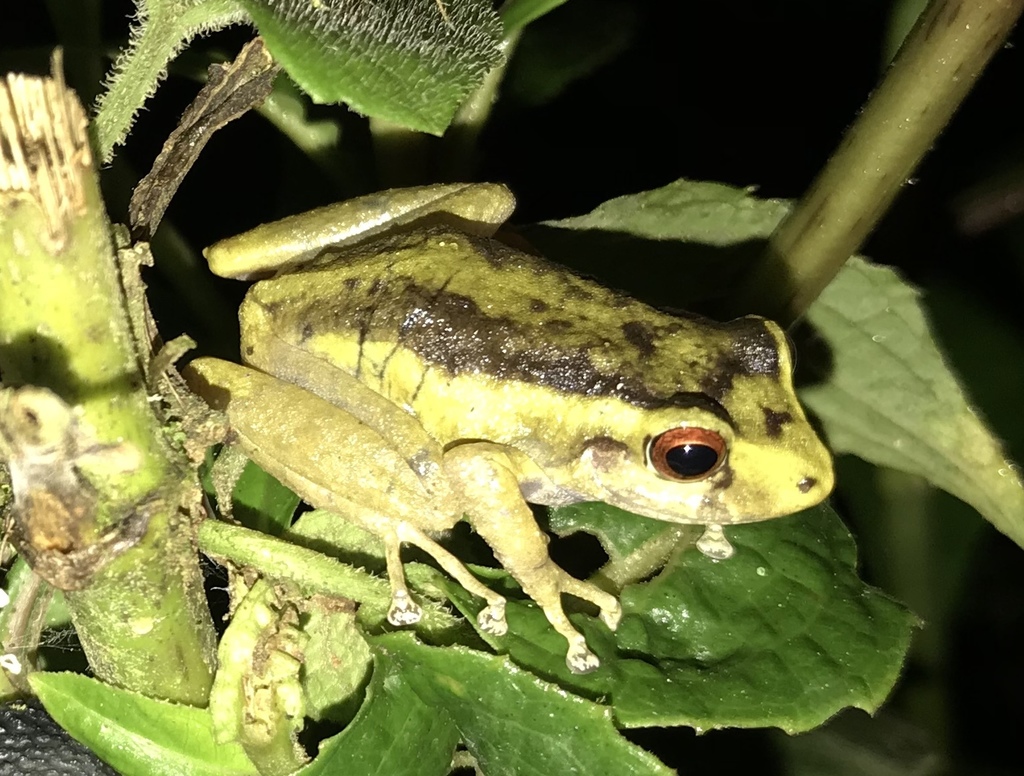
(414, 315)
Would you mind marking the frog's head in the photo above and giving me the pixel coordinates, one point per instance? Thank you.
(739, 449)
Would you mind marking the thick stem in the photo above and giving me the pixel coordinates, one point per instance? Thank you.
(938, 64)
(99, 506)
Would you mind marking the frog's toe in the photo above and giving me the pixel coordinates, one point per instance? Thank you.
(609, 606)
(492, 619)
(404, 611)
(580, 659)
(611, 615)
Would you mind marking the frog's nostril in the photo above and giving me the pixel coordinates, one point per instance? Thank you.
(806, 484)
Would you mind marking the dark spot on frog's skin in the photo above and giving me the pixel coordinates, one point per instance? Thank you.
(493, 252)
(539, 306)
(451, 330)
(249, 350)
(722, 479)
(351, 284)
(605, 452)
(805, 485)
(579, 294)
(530, 488)
(306, 332)
(774, 421)
(718, 382)
(640, 336)
(598, 349)
(753, 352)
(271, 307)
(756, 349)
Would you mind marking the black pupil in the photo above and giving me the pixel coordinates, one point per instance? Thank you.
(691, 460)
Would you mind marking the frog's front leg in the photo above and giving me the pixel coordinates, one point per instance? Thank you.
(487, 477)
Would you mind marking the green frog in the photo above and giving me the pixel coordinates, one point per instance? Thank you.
(407, 370)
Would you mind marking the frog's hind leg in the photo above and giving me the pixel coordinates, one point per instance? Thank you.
(403, 610)
(506, 523)
(492, 618)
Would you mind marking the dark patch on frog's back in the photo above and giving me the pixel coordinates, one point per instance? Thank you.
(539, 305)
(639, 335)
(587, 340)
(754, 351)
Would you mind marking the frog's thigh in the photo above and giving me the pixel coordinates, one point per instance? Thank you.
(500, 515)
(403, 432)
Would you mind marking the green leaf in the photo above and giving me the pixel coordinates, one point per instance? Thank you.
(782, 634)
(135, 734)
(263, 503)
(620, 532)
(507, 716)
(891, 398)
(692, 211)
(410, 62)
(695, 240)
(336, 661)
(394, 734)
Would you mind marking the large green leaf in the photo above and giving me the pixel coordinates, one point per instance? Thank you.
(410, 62)
(395, 733)
(782, 634)
(891, 398)
(137, 735)
(513, 722)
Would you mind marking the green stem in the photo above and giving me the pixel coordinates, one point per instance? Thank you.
(935, 69)
(138, 605)
(310, 571)
(165, 27)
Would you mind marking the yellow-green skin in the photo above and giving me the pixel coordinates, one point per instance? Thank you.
(493, 378)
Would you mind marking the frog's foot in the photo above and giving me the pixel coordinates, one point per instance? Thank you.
(492, 618)
(579, 658)
(547, 591)
(403, 611)
(609, 606)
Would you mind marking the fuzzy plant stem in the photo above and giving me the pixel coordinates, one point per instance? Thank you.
(939, 62)
(66, 348)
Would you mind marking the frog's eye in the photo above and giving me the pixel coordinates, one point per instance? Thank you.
(686, 454)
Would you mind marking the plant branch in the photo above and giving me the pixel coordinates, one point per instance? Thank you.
(935, 69)
(163, 30)
(98, 496)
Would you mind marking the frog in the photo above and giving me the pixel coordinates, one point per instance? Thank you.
(407, 369)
